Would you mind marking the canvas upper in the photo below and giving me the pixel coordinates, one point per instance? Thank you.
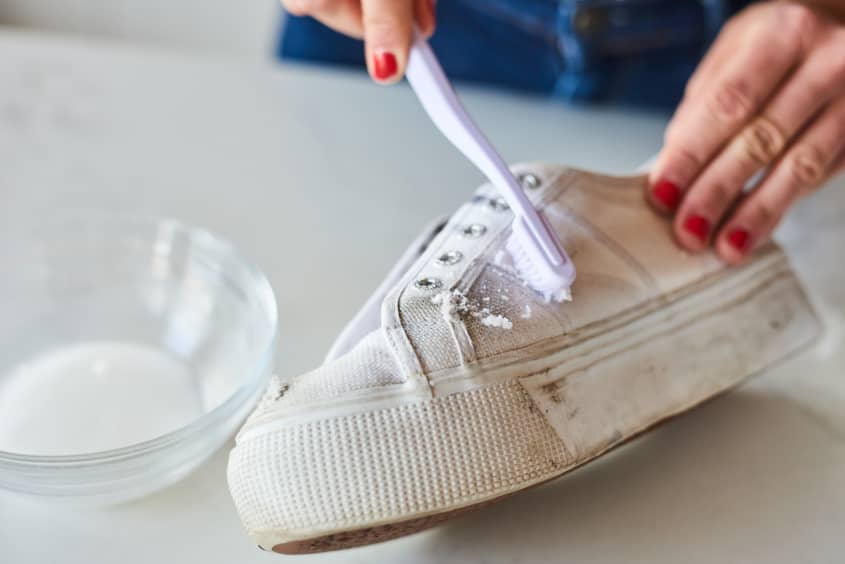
(453, 301)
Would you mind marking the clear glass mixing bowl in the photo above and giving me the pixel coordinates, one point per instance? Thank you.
(130, 350)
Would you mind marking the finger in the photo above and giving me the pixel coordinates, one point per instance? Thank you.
(720, 51)
(763, 140)
(341, 15)
(733, 98)
(425, 16)
(804, 167)
(387, 36)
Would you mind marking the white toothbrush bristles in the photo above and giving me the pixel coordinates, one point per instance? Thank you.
(551, 285)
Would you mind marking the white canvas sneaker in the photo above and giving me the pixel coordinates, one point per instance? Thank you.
(456, 385)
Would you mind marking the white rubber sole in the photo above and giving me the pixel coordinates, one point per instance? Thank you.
(371, 472)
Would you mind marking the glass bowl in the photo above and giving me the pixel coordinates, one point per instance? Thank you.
(130, 351)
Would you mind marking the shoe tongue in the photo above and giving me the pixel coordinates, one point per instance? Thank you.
(368, 318)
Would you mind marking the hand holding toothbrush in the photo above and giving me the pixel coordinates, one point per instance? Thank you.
(778, 110)
(386, 26)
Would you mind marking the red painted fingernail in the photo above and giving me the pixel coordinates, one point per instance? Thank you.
(739, 239)
(667, 193)
(384, 65)
(698, 226)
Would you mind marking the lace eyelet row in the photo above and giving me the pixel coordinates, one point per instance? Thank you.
(527, 180)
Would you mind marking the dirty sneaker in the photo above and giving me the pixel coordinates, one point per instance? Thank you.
(457, 385)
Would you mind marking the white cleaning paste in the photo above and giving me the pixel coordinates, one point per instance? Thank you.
(497, 321)
(94, 396)
(453, 304)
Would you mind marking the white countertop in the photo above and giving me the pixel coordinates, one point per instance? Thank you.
(322, 178)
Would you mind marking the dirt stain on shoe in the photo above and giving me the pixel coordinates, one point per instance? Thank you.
(552, 389)
(527, 403)
(283, 389)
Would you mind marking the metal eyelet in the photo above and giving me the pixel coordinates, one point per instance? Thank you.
(449, 258)
(428, 283)
(529, 181)
(499, 204)
(474, 231)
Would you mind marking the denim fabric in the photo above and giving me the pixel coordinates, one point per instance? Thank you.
(635, 52)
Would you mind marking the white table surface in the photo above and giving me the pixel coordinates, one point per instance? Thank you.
(322, 178)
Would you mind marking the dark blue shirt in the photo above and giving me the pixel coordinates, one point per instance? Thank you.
(636, 52)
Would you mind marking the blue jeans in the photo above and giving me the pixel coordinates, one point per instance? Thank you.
(632, 52)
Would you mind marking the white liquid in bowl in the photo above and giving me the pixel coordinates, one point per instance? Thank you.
(94, 396)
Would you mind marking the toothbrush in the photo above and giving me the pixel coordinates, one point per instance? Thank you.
(539, 258)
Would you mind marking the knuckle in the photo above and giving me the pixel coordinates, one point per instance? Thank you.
(384, 29)
(787, 31)
(762, 142)
(800, 20)
(732, 102)
(720, 195)
(807, 167)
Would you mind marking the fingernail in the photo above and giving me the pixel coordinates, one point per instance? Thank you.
(667, 193)
(698, 226)
(739, 239)
(384, 65)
